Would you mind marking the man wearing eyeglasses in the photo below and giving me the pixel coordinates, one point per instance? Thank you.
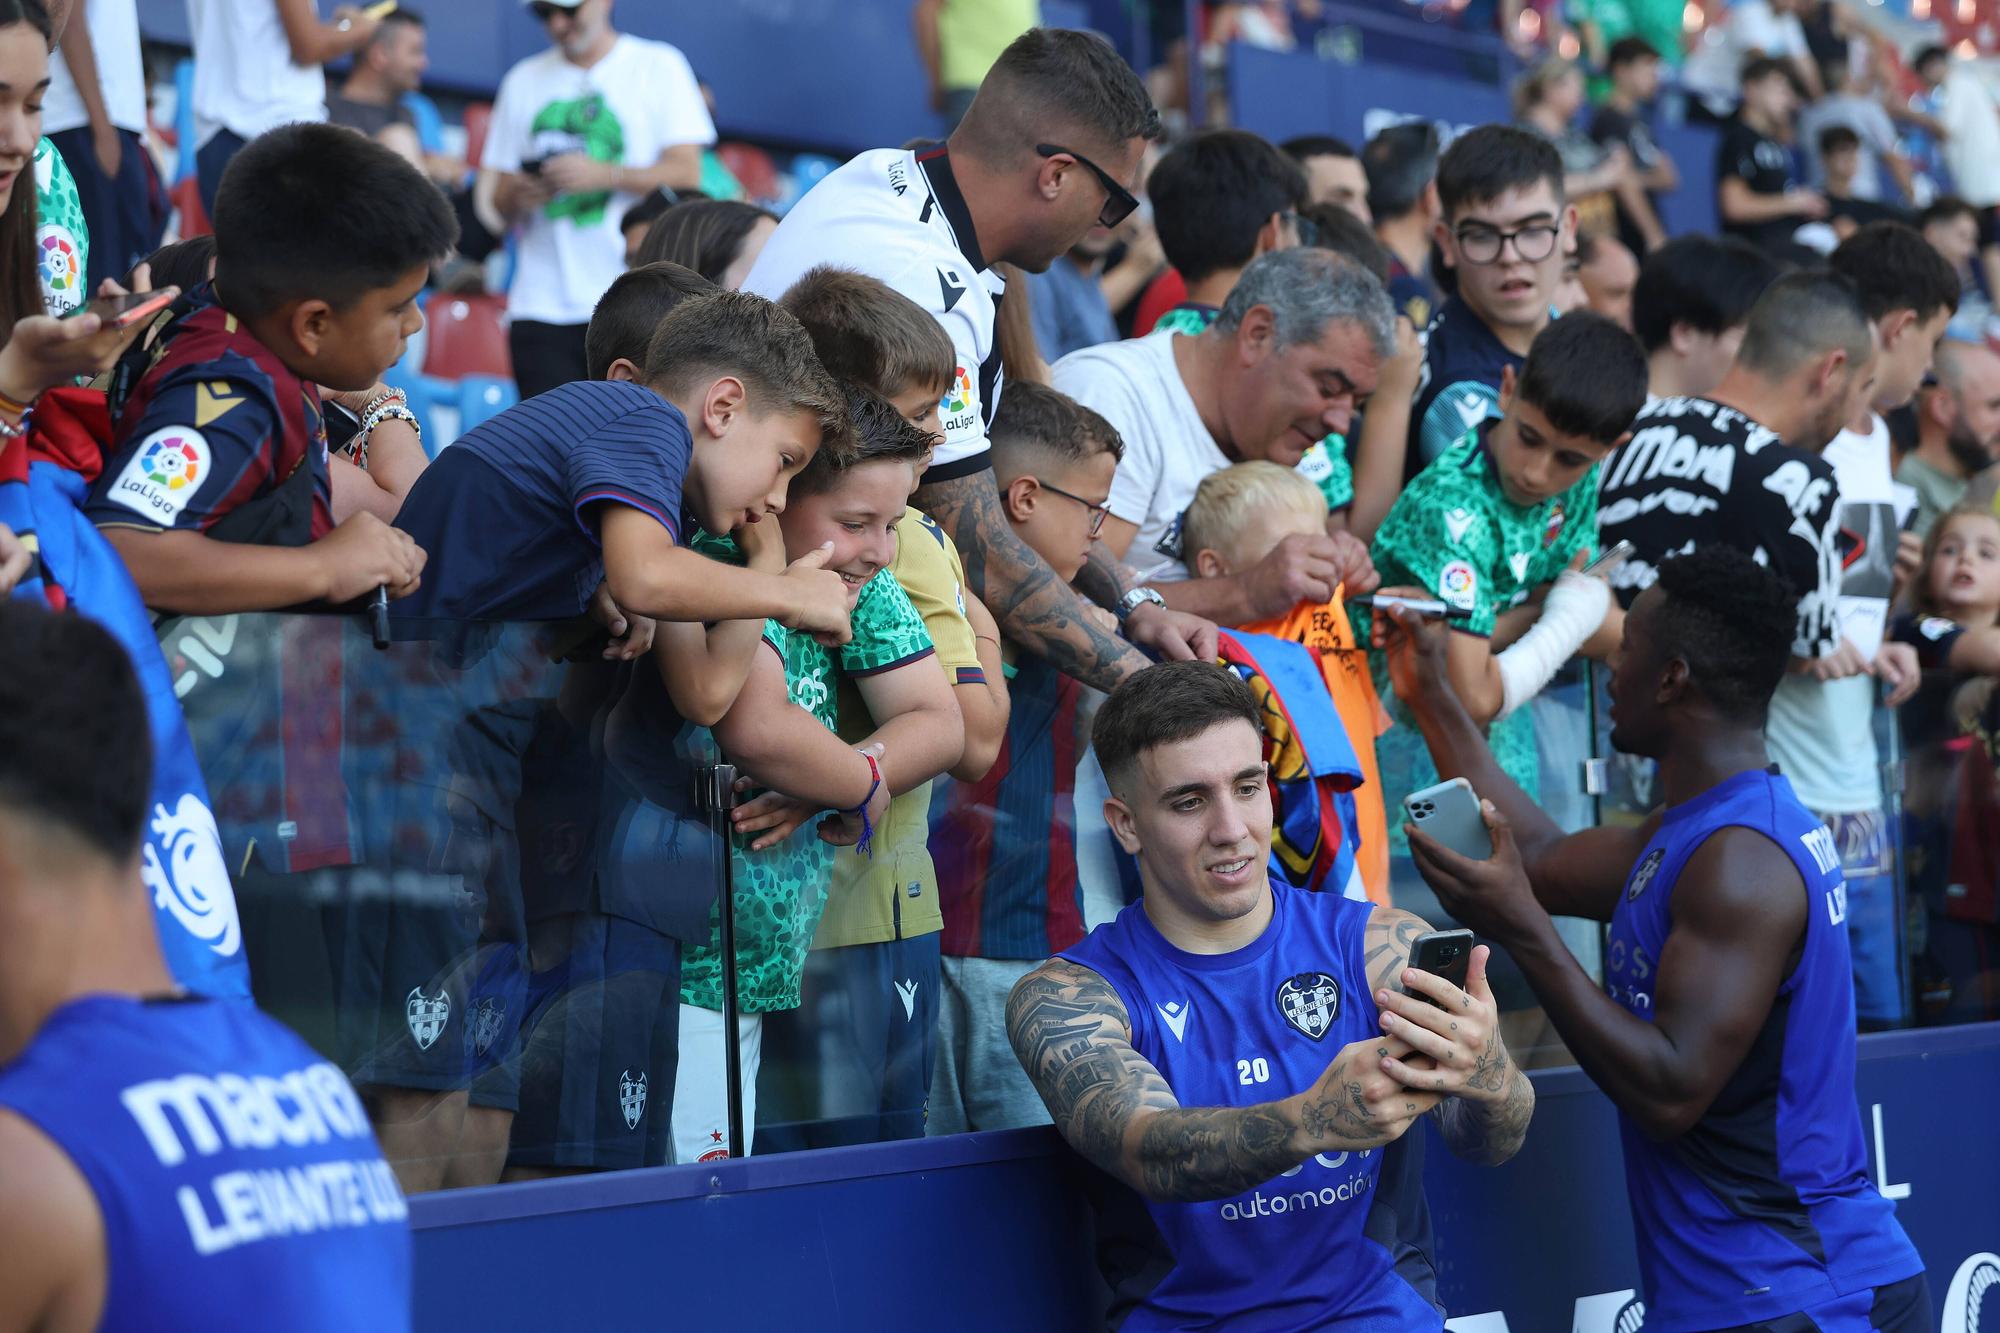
(580, 132)
(1049, 149)
(1503, 233)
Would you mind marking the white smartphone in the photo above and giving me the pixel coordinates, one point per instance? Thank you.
(1449, 812)
(1608, 562)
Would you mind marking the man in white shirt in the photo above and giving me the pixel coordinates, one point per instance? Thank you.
(580, 132)
(95, 113)
(1752, 28)
(1300, 338)
(256, 67)
(1822, 724)
(1049, 149)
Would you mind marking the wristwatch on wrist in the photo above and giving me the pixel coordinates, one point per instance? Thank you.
(1135, 599)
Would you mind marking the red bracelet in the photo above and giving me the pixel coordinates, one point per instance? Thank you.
(865, 846)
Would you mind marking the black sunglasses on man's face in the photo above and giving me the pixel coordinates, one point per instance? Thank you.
(1118, 201)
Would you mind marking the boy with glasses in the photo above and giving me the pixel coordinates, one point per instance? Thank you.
(1504, 230)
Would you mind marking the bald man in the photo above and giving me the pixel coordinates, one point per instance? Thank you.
(1958, 434)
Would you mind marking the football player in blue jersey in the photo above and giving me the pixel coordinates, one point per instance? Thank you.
(1249, 1057)
(1724, 1031)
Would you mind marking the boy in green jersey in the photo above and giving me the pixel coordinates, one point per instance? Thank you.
(1495, 528)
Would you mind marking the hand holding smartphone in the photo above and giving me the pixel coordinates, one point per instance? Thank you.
(1428, 607)
(1449, 812)
(1443, 953)
(122, 312)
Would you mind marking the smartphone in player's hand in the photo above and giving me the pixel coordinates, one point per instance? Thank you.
(1449, 812)
(122, 312)
(1443, 953)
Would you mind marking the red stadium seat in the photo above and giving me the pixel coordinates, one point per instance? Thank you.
(754, 168)
(478, 119)
(467, 337)
(186, 197)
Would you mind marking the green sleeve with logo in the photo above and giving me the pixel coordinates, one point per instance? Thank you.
(888, 630)
(1442, 535)
(62, 238)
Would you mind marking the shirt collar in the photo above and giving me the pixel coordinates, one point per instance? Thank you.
(935, 163)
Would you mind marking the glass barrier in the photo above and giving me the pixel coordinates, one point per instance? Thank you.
(484, 871)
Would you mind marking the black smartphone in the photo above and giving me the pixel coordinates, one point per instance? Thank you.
(1443, 953)
(532, 166)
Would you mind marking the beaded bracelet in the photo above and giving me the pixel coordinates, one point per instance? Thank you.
(390, 406)
(865, 846)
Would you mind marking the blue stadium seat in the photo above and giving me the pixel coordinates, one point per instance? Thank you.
(483, 397)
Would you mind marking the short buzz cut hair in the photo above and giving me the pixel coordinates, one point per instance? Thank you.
(1213, 192)
(1241, 497)
(1837, 139)
(1035, 422)
(1629, 51)
(1708, 283)
(1053, 82)
(1164, 704)
(1302, 146)
(1586, 375)
(1944, 208)
(75, 741)
(761, 344)
(1895, 268)
(868, 333)
(1733, 621)
(631, 309)
(1484, 163)
(1307, 289)
(1801, 317)
(1345, 234)
(314, 211)
(1401, 162)
(880, 434)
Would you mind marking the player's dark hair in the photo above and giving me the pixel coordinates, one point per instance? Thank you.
(1944, 208)
(1629, 51)
(1802, 316)
(1165, 703)
(653, 205)
(1895, 268)
(706, 235)
(1034, 420)
(1484, 163)
(317, 211)
(1302, 146)
(1212, 193)
(1057, 84)
(1837, 139)
(184, 264)
(1401, 162)
(1587, 376)
(75, 740)
(631, 309)
(1345, 234)
(881, 435)
(758, 342)
(868, 333)
(1708, 283)
(20, 273)
(1732, 621)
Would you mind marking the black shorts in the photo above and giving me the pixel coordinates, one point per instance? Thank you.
(1900, 1307)
(599, 1048)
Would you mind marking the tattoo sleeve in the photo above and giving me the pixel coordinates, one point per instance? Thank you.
(1488, 1133)
(1035, 609)
(1103, 579)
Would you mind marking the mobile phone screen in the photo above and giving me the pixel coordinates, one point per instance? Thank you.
(124, 311)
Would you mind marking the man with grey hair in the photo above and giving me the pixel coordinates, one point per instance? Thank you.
(1299, 341)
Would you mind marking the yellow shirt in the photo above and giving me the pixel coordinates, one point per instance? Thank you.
(895, 895)
(973, 33)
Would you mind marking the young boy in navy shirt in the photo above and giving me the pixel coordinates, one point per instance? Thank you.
(600, 482)
(218, 489)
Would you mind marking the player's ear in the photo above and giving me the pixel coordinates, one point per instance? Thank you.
(721, 405)
(1673, 682)
(1119, 817)
(1509, 382)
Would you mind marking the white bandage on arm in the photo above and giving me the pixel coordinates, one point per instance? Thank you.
(1571, 613)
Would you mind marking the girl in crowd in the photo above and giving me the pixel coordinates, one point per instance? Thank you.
(717, 238)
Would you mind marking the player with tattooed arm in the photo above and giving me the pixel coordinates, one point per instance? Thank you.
(1724, 1030)
(1249, 1057)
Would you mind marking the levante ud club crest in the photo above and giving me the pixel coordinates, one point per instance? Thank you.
(427, 1015)
(632, 1097)
(1309, 1002)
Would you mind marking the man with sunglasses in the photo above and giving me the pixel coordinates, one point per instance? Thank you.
(1049, 149)
(1504, 229)
(580, 133)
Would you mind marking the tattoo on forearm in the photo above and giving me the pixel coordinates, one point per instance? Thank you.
(1102, 579)
(1488, 1133)
(1389, 940)
(1335, 1110)
(1213, 1152)
(1034, 608)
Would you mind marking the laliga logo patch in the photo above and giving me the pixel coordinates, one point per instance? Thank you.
(164, 474)
(1458, 585)
(1309, 1002)
(632, 1097)
(958, 396)
(61, 268)
(1644, 874)
(426, 1015)
(1555, 524)
(181, 865)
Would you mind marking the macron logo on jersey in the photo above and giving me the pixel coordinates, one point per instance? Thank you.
(951, 289)
(1175, 1015)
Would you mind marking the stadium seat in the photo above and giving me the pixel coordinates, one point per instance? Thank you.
(478, 119)
(754, 168)
(186, 197)
(483, 397)
(468, 336)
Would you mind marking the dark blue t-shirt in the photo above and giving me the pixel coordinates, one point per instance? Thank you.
(1460, 384)
(509, 513)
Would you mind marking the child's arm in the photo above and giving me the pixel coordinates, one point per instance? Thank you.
(983, 704)
(704, 667)
(652, 575)
(1383, 443)
(917, 722)
(187, 572)
(1977, 651)
(781, 746)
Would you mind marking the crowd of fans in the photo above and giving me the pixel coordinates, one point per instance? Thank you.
(874, 503)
